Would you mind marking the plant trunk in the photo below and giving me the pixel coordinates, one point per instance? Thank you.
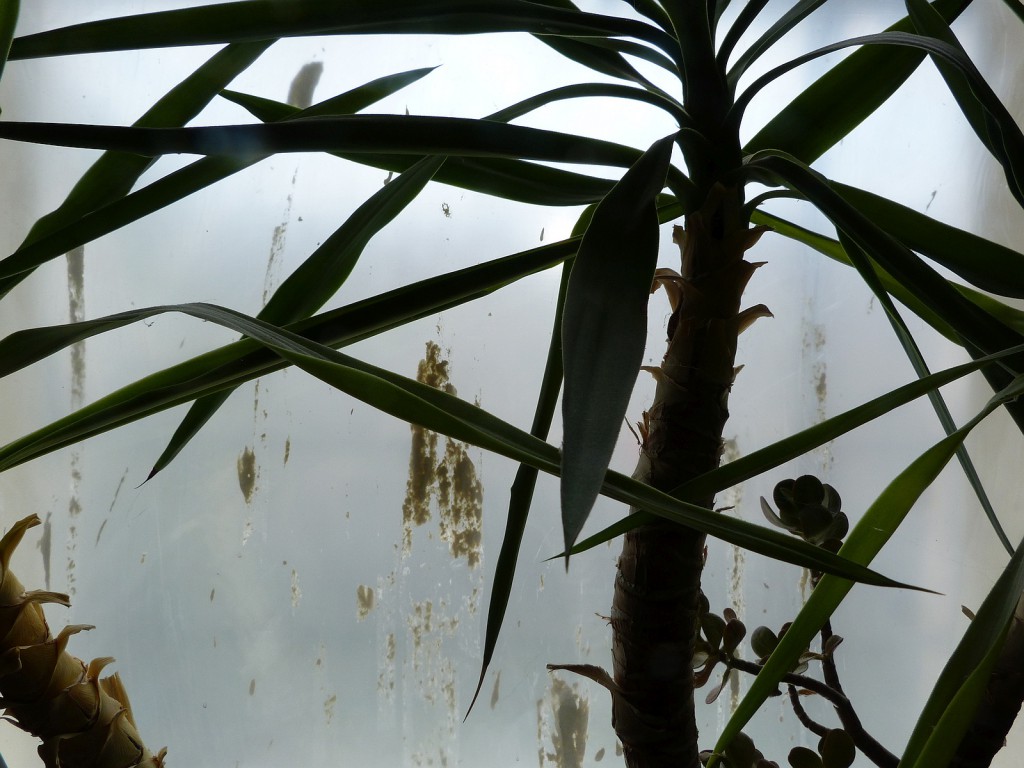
(657, 587)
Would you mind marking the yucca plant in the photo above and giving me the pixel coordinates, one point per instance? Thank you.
(691, 59)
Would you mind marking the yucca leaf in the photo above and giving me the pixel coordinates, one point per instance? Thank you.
(442, 412)
(8, 22)
(403, 134)
(991, 121)
(595, 56)
(632, 48)
(604, 329)
(653, 10)
(1016, 6)
(261, 19)
(113, 174)
(740, 25)
(837, 102)
(315, 281)
(511, 179)
(765, 459)
(874, 529)
(591, 90)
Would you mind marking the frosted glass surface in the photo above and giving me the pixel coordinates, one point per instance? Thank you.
(307, 583)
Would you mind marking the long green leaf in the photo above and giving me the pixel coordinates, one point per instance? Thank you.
(874, 529)
(983, 263)
(972, 323)
(591, 53)
(867, 272)
(604, 329)
(442, 412)
(260, 19)
(512, 179)
(797, 13)
(402, 134)
(1007, 315)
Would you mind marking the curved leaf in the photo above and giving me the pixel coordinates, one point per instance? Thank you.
(244, 360)
(521, 493)
(442, 412)
(991, 121)
(604, 329)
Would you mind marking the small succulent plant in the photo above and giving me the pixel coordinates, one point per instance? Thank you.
(809, 509)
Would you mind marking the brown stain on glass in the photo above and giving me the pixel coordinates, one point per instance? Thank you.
(247, 473)
(564, 718)
(447, 477)
(364, 601)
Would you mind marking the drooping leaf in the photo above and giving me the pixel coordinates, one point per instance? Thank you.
(442, 412)
(521, 493)
(604, 329)
(244, 360)
(970, 322)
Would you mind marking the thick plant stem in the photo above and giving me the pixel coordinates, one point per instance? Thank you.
(83, 720)
(654, 610)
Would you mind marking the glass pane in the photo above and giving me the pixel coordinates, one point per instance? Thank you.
(307, 583)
